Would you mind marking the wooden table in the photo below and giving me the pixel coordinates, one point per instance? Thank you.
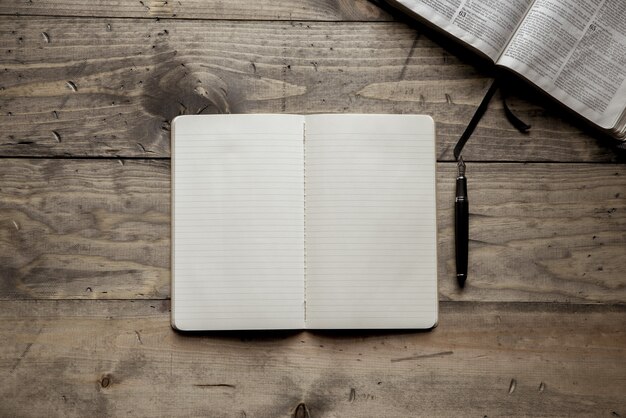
(87, 91)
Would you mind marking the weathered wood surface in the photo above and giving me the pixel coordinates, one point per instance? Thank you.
(121, 358)
(538, 232)
(107, 82)
(324, 10)
(100, 229)
(110, 87)
(84, 229)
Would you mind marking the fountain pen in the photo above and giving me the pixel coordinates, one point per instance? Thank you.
(461, 224)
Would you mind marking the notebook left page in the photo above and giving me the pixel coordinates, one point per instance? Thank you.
(237, 222)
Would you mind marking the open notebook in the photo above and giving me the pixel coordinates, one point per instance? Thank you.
(292, 222)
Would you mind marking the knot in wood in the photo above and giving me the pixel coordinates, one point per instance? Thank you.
(105, 381)
(301, 411)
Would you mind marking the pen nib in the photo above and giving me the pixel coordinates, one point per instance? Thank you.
(461, 167)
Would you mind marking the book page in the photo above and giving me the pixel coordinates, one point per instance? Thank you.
(575, 50)
(238, 222)
(486, 25)
(370, 222)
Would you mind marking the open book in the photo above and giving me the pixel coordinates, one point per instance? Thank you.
(292, 222)
(575, 50)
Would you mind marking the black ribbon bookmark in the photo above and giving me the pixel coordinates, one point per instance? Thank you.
(513, 119)
(461, 207)
(482, 108)
(519, 124)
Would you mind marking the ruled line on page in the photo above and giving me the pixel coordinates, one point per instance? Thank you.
(238, 214)
(370, 179)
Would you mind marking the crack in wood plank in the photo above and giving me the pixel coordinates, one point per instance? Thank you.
(422, 356)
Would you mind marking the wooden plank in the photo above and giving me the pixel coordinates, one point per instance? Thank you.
(110, 87)
(78, 358)
(86, 229)
(100, 229)
(316, 10)
(538, 232)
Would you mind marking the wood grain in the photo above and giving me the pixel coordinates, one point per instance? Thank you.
(103, 358)
(85, 242)
(324, 10)
(538, 232)
(110, 87)
(87, 229)
(100, 229)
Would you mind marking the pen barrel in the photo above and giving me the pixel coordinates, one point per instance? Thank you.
(461, 226)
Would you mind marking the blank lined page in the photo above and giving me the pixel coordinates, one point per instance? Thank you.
(237, 222)
(371, 259)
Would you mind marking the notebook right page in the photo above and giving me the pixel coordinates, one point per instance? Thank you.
(370, 222)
